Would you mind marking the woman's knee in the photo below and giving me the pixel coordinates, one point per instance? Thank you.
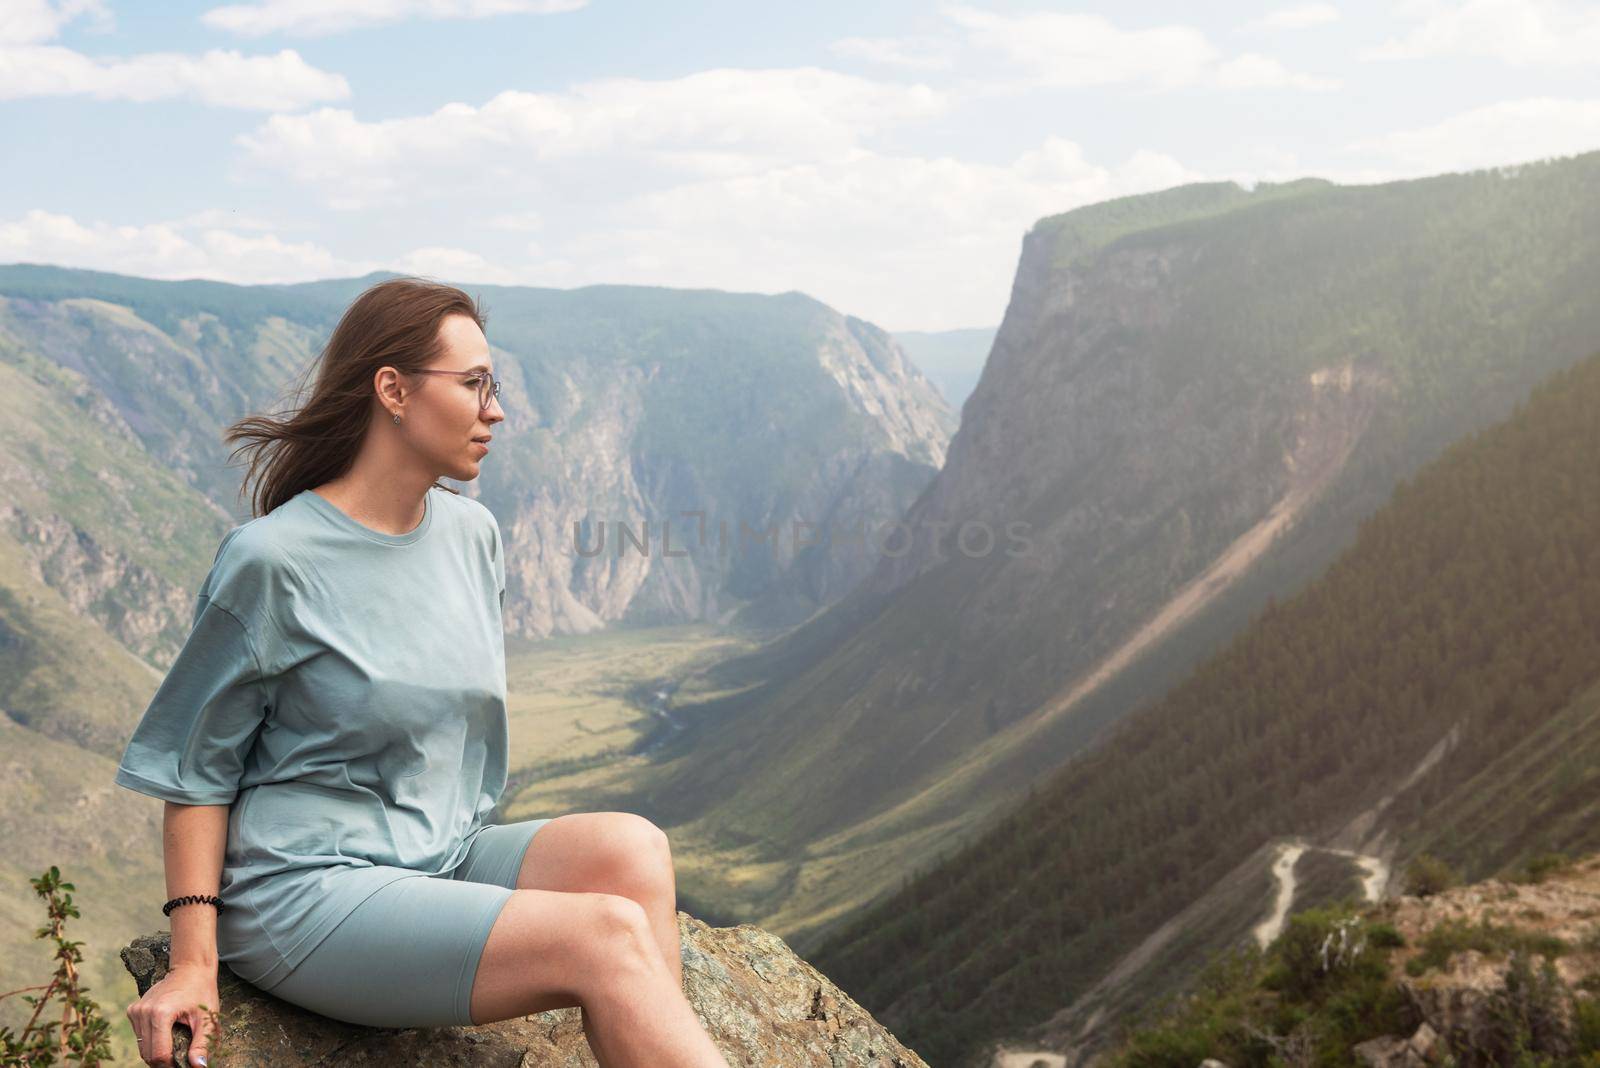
(552, 949)
(602, 852)
(633, 850)
(615, 935)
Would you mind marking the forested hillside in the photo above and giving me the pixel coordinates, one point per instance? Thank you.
(1469, 603)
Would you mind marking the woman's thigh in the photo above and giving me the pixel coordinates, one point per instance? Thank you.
(405, 957)
(496, 854)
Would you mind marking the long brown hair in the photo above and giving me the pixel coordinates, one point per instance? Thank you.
(393, 323)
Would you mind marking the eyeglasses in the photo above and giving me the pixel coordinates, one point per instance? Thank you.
(488, 384)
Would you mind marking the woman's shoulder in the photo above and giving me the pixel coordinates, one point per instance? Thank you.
(260, 542)
(253, 564)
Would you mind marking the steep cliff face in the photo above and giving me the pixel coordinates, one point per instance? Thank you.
(669, 489)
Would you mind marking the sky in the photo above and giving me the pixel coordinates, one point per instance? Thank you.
(885, 158)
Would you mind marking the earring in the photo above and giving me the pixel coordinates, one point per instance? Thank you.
(397, 418)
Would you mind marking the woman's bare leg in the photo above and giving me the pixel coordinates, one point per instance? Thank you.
(554, 949)
(610, 853)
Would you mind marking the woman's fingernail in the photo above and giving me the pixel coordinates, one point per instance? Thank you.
(202, 1060)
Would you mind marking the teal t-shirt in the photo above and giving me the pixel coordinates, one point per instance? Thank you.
(344, 691)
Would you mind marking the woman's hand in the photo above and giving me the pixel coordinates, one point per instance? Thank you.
(177, 997)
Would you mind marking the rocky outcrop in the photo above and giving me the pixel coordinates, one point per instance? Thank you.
(761, 1004)
(1539, 964)
(134, 604)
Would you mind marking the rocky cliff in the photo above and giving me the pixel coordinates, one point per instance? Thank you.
(761, 1004)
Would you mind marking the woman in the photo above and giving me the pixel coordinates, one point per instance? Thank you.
(332, 737)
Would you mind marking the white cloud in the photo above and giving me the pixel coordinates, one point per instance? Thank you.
(192, 248)
(1513, 131)
(223, 78)
(457, 265)
(1296, 17)
(168, 250)
(716, 122)
(32, 21)
(1519, 32)
(906, 241)
(317, 17)
(1072, 50)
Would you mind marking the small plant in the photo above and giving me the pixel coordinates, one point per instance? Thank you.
(216, 1050)
(1586, 1022)
(1429, 875)
(1385, 936)
(1542, 867)
(83, 1037)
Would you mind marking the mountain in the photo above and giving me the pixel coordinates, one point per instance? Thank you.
(1435, 690)
(628, 408)
(1193, 400)
(952, 358)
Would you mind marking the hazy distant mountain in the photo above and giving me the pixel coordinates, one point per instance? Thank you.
(1194, 399)
(626, 405)
(952, 358)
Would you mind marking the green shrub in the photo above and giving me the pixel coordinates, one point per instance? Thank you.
(1318, 951)
(1321, 988)
(83, 1034)
(1428, 875)
(1385, 936)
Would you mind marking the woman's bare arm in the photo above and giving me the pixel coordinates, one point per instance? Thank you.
(195, 837)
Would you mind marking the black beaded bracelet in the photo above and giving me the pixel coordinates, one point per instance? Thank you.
(192, 899)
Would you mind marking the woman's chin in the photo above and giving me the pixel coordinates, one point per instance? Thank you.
(467, 471)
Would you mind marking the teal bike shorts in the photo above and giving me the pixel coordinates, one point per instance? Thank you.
(407, 955)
